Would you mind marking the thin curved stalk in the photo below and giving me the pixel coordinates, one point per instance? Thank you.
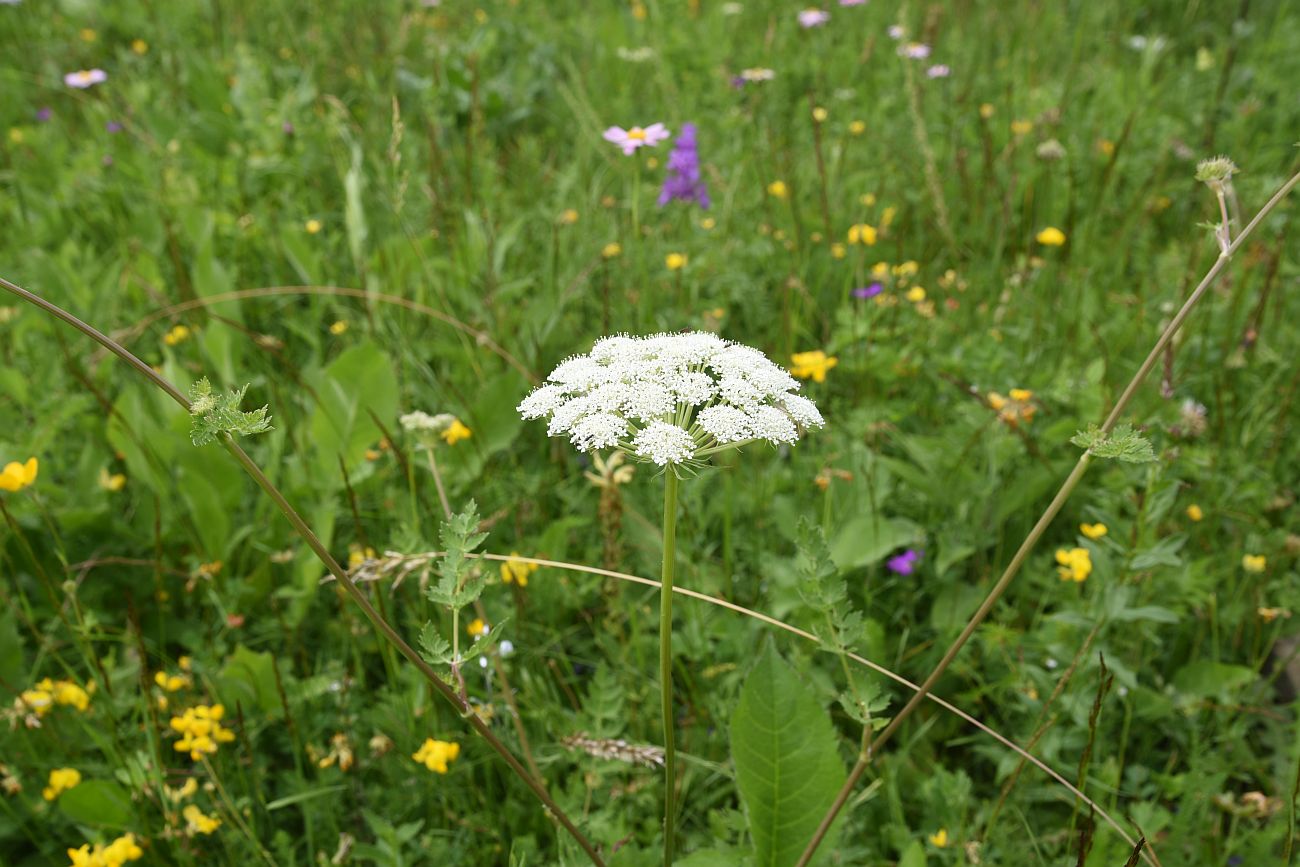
(340, 574)
(860, 660)
(1044, 520)
(480, 337)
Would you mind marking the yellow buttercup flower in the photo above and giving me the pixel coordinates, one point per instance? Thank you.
(1093, 531)
(88, 35)
(857, 127)
(812, 364)
(111, 481)
(455, 432)
(476, 627)
(517, 571)
(778, 189)
(916, 294)
(611, 250)
(986, 110)
(139, 46)
(339, 327)
(1254, 562)
(1050, 237)
(568, 217)
(940, 838)
(198, 823)
(1075, 564)
(178, 334)
(61, 779)
(862, 234)
(839, 251)
(1021, 127)
(16, 135)
(16, 476)
(708, 223)
(1194, 513)
(313, 226)
(820, 114)
(435, 755)
(675, 261)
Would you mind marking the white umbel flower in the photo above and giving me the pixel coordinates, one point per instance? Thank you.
(671, 399)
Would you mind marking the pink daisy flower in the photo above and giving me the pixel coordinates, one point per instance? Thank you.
(813, 18)
(85, 78)
(636, 137)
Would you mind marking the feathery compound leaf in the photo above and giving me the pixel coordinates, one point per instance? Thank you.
(213, 414)
(460, 580)
(1123, 444)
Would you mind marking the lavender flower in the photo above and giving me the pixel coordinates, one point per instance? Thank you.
(113, 126)
(636, 137)
(683, 180)
(853, 2)
(85, 78)
(44, 114)
(904, 563)
(939, 70)
(813, 18)
(868, 291)
(914, 50)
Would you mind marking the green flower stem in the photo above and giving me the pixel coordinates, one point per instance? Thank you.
(340, 574)
(1067, 487)
(666, 659)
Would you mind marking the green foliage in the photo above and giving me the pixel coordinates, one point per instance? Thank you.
(788, 767)
(1122, 444)
(101, 803)
(215, 414)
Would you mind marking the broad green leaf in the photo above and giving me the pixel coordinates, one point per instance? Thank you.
(1206, 678)
(866, 540)
(913, 856)
(97, 802)
(788, 767)
(248, 679)
(359, 383)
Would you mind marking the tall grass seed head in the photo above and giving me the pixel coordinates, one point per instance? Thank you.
(670, 399)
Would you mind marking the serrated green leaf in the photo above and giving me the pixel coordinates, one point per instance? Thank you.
(1122, 444)
(788, 767)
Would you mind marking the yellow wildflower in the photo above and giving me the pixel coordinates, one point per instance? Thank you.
(455, 432)
(812, 364)
(907, 269)
(1021, 127)
(139, 46)
(185, 663)
(867, 199)
(1075, 564)
(16, 135)
(358, 555)
(611, 250)
(66, 692)
(88, 35)
(916, 294)
(516, 571)
(675, 261)
(477, 627)
(778, 189)
(857, 127)
(568, 217)
(181, 792)
(940, 838)
(313, 226)
(820, 114)
(201, 730)
(1093, 531)
(996, 400)
(1268, 615)
(340, 753)
(986, 110)
(862, 234)
(115, 854)
(708, 223)
(435, 755)
(17, 476)
(111, 481)
(170, 682)
(178, 334)
(1021, 394)
(1050, 237)
(198, 823)
(1106, 147)
(839, 251)
(1194, 513)
(1253, 562)
(887, 216)
(61, 779)
(880, 269)
(339, 327)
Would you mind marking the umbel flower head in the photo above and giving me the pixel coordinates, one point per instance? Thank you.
(671, 399)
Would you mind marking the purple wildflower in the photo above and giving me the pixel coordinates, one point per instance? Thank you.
(113, 126)
(904, 563)
(853, 2)
(85, 78)
(868, 291)
(44, 114)
(939, 70)
(636, 137)
(683, 180)
(915, 50)
(286, 128)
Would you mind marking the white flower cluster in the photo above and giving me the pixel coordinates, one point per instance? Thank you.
(421, 422)
(671, 398)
